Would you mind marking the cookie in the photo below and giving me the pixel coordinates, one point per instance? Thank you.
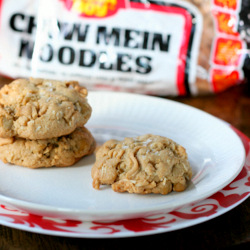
(42, 109)
(60, 152)
(143, 165)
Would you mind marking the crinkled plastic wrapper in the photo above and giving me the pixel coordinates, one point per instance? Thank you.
(149, 47)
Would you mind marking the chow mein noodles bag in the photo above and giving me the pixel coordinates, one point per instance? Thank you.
(149, 47)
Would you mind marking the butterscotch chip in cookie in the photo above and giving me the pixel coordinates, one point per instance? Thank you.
(42, 109)
(61, 152)
(145, 164)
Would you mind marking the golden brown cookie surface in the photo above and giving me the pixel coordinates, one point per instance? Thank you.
(42, 109)
(145, 164)
(61, 152)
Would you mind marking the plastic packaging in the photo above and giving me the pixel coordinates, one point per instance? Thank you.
(149, 47)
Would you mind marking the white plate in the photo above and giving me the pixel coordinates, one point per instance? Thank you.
(215, 152)
(217, 204)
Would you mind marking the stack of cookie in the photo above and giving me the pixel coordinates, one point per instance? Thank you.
(42, 123)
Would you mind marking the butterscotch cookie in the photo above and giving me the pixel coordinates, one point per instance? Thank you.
(145, 164)
(42, 109)
(61, 152)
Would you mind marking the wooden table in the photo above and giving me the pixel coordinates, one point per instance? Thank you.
(231, 230)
